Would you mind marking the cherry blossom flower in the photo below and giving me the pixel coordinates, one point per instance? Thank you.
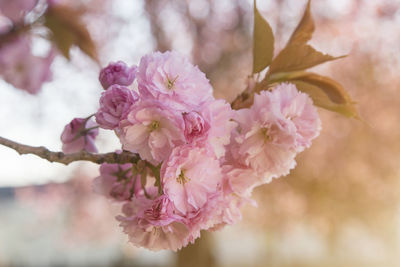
(190, 176)
(154, 224)
(114, 106)
(171, 78)
(219, 115)
(270, 132)
(117, 182)
(15, 10)
(152, 130)
(22, 69)
(299, 109)
(117, 73)
(79, 135)
(195, 126)
(242, 180)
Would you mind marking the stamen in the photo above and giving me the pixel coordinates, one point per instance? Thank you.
(154, 125)
(182, 179)
(170, 83)
(264, 132)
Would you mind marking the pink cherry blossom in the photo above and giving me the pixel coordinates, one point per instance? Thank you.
(22, 69)
(270, 133)
(117, 182)
(154, 224)
(79, 135)
(228, 211)
(219, 115)
(152, 130)
(264, 141)
(15, 10)
(170, 77)
(114, 106)
(242, 180)
(299, 109)
(195, 125)
(117, 73)
(221, 209)
(190, 176)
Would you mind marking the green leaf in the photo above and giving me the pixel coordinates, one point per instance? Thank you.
(326, 93)
(296, 57)
(67, 29)
(263, 42)
(335, 92)
(305, 29)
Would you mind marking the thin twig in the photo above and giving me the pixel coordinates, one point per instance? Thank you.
(60, 157)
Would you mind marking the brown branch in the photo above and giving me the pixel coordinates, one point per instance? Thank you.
(60, 157)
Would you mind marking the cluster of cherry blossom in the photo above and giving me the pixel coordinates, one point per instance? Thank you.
(200, 159)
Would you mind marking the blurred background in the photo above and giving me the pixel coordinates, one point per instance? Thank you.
(339, 207)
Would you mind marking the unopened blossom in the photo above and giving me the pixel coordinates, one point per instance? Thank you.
(114, 106)
(117, 182)
(154, 224)
(152, 130)
(190, 176)
(299, 109)
(195, 126)
(15, 10)
(22, 69)
(170, 77)
(79, 135)
(117, 73)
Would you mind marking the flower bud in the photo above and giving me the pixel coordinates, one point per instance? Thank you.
(79, 135)
(114, 105)
(117, 73)
(194, 125)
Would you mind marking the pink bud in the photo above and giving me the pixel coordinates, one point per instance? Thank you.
(114, 105)
(194, 125)
(79, 135)
(117, 73)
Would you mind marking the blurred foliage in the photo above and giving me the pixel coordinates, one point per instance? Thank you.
(67, 29)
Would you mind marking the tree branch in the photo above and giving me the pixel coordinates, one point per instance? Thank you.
(60, 157)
